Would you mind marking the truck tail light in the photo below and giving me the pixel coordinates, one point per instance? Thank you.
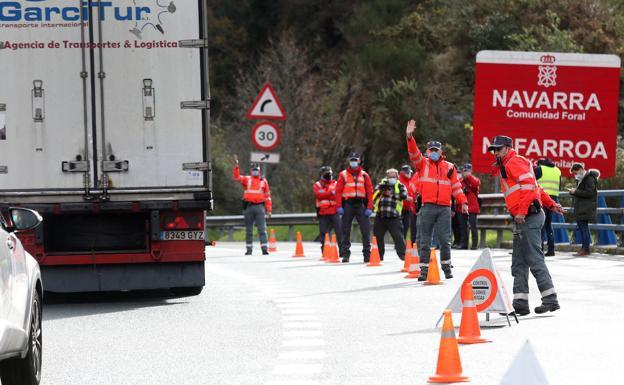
(182, 221)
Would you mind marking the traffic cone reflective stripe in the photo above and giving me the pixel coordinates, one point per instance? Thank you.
(326, 248)
(375, 259)
(408, 254)
(469, 329)
(333, 251)
(414, 263)
(299, 247)
(433, 273)
(272, 242)
(449, 368)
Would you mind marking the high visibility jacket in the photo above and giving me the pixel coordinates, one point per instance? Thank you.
(414, 189)
(408, 204)
(397, 192)
(550, 180)
(256, 189)
(325, 193)
(519, 186)
(438, 180)
(358, 186)
(471, 186)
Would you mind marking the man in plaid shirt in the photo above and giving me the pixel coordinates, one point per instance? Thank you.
(388, 205)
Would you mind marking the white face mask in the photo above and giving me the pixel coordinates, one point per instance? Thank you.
(392, 180)
(579, 176)
(255, 173)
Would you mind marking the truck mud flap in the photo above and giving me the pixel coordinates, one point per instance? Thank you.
(147, 276)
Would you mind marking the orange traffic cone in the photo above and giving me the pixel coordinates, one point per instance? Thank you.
(272, 242)
(414, 265)
(408, 253)
(433, 274)
(299, 247)
(449, 364)
(375, 258)
(326, 248)
(469, 329)
(333, 252)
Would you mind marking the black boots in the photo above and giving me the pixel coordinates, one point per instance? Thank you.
(265, 251)
(423, 274)
(448, 274)
(248, 251)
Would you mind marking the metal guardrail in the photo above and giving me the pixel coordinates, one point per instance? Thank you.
(494, 218)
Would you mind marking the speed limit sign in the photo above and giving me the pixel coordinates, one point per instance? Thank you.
(266, 136)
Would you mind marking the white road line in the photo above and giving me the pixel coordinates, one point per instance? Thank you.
(304, 342)
(293, 382)
(301, 369)
(291, 318)
(297, 311)
(302, 325)
(302, 355)
(303, 333)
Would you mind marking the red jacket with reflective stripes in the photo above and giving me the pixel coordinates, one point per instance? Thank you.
(519, 185)
(414, 189)
(354, 184)
(471, 185)
(408, 204)
(256, 189)
(325, 193)
(436, 185)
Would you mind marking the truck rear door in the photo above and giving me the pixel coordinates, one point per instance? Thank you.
(45, 103)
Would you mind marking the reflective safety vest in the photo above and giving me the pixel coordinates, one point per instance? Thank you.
(516, 189)
(550, 179)
(377, 197)
(353, 187)
(256, 190)
(326, 203)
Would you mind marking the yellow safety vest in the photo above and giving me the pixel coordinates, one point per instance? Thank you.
(377, 197)
(550, 179)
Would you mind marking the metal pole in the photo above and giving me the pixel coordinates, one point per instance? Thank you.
(206, 96)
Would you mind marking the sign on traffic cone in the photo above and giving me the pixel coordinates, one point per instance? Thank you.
(299, 247)
(433, 274)
(469, 329)
(333, 251)
(449, 367)
(326, 248)
(375, 259)
(408, 253)
(272, 242)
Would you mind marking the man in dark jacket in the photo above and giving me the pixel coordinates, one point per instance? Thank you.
(585, 196)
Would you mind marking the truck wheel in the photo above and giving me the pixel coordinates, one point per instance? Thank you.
(186, 291)
(27, 370)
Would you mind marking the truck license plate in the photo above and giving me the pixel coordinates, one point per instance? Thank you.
(182, 236)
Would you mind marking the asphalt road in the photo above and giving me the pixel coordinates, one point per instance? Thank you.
(278, 320)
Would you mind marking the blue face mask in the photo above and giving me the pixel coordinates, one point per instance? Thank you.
(255, 173)
(392, 180)
(434, 156)
(354, 164)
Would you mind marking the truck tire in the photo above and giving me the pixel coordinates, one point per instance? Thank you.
(27, 370)
(186, 291)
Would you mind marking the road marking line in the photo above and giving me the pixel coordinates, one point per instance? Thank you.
(297, 369)
(302, 325)
(290, 318)
(304, 342)
(302, 355)
(304, 333)
(297, 311)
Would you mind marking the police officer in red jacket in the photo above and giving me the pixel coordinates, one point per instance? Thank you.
(327, 205)
(408, 215)
(524, 200)
(354, 193)
(471, 186)
(438, 183)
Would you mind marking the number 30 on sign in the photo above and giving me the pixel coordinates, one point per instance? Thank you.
(266, 136)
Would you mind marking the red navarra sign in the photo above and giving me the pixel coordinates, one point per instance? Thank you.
(555, 105)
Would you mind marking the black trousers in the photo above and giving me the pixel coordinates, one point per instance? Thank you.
(548, 229)
(466, 221)
(328, 222)
(395, 227)
(355, 210)
(408, 219)
(456, 227)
